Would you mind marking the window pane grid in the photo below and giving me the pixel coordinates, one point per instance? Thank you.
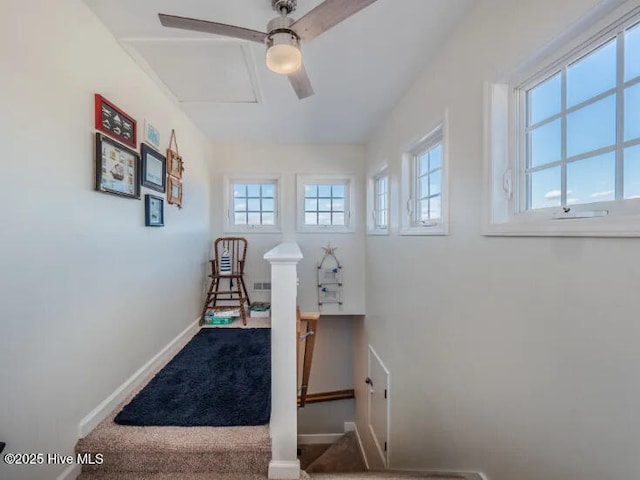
(427, 203)
(324, 204)
(594, 120)
(254, 204)
(380, 200)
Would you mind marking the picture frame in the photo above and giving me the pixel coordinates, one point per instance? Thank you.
(153, 211)
(114, 122)
(154, 168)
(175, 164)
(174, 160)
(174, 191)
(151, 135)
(117, 168)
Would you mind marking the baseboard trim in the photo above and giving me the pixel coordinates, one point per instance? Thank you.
(316, 438)
(101, 412)
(70, 473)
(284, 469)
(445, 473)
(354, 427)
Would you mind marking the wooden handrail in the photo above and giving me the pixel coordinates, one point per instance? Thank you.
(328, 396)
(309, 337)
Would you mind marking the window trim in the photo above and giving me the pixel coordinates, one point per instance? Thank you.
(308, 179)
(228, 223)
(505, 147)
(372, 227)
(439, 134)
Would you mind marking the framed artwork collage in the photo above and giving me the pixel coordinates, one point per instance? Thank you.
(121, 170)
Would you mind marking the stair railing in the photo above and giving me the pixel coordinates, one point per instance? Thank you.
(284, 260)
(308, 339)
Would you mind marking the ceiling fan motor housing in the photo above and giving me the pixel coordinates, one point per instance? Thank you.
(288, 5)
(280, 31)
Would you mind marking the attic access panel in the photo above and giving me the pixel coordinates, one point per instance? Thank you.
(200, 71)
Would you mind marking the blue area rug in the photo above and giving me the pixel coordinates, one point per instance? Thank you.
(221, 378)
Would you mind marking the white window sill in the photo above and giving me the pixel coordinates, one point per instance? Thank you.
(247, 229)
(434, 230)
(325, 229)
(378, 231)
(579, 227)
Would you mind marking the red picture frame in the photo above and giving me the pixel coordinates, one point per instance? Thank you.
(114, 122)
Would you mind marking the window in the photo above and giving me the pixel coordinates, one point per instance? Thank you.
(324, 203)
(379, 202)
(424, 186)
(581, 127)
(252, 204)
(575, 154)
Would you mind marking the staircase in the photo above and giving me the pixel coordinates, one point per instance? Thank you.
(241, 453)
(342, 461)
(233, 453)
(387, 475)
(190, 453)
(227, 453)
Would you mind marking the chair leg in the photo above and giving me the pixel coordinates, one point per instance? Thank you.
(239, 294)
(214, 288)
(207, 302)
(243, 314)
(246, 293)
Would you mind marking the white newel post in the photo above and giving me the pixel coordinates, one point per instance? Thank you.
(284, 390)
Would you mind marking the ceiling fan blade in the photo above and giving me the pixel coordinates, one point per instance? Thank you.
(301, 83)
(326, 15)
(211, 27)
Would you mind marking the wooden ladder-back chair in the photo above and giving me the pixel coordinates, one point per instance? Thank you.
(227, 266)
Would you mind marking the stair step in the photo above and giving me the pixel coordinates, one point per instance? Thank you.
(237, 450)
(168, 476)
(342, 456)
(387, 475)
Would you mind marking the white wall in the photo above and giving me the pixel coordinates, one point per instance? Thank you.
(332, 362)
(88, 294)
(513, 356)
(331, 370)
(288, 161)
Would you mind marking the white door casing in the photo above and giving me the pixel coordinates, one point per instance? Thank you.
(378, 404)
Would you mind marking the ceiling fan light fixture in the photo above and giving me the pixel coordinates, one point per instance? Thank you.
(283, 53)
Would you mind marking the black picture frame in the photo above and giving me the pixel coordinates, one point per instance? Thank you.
(117, 168)
(154, 169)
(153, 211)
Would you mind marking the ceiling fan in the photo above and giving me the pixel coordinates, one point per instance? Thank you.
(284, 35)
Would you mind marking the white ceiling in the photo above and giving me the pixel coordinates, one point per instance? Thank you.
(359, 69)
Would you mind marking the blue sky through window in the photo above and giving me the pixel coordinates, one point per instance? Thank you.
(632, 172)
(632, 53)
(592, 127)
(254, 203)
(592, 179)
(573, 147)
(632, 112)
(592, 74)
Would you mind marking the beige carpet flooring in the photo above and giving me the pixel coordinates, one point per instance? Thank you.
(198, 450)
(209, 453)
(309, 453)
(386, 475)
(343, 456)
